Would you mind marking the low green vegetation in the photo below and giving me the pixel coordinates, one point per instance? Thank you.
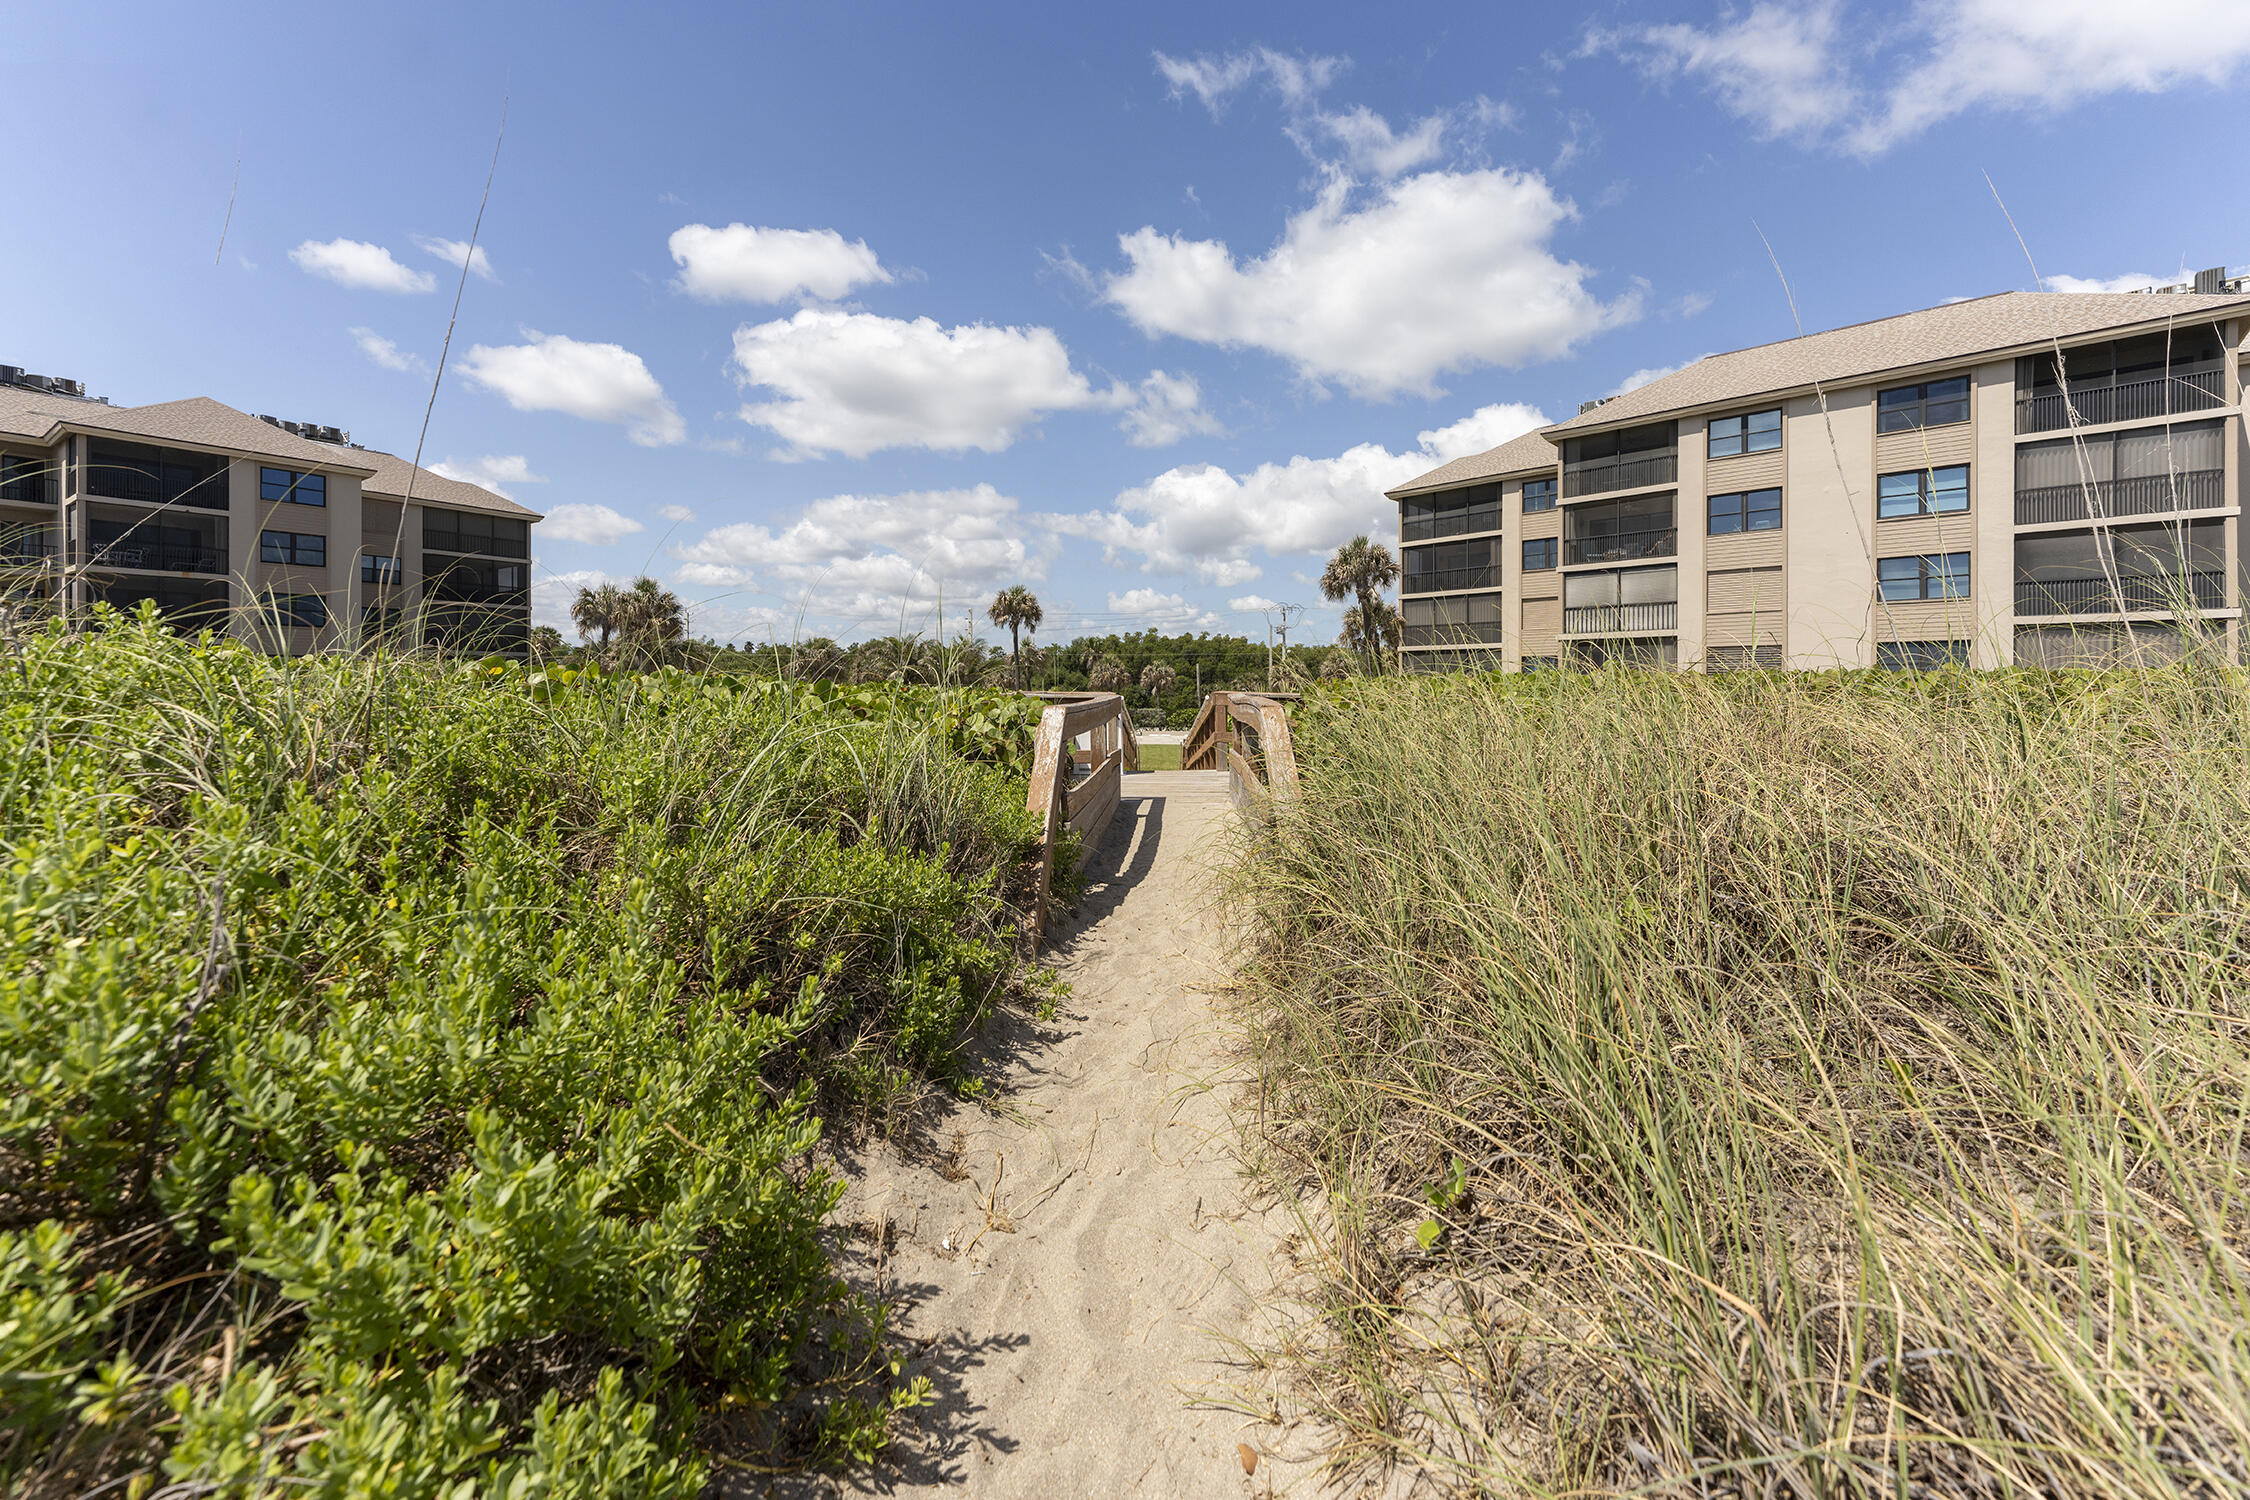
(1824, 1085)
(412, 1075)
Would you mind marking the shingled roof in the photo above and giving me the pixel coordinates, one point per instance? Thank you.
(1524, 455)
(1982, 327)
(200, 422)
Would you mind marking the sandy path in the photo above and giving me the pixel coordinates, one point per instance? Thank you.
(1075, 1260)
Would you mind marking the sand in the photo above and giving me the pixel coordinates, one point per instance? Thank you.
(1075, 1262)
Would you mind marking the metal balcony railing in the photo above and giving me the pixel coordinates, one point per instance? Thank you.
(2125, 401)
(1438, 580)
(1621, 619)
(2154, 494)
(1594, 476)
(160, 557)
(18, 552)
(2138, 591)
(1624, 546)
(29, 489)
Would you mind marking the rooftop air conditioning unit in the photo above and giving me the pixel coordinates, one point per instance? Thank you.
(10, 374)
(2211, 282)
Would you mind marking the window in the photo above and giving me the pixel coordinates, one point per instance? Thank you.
(1450, 513)
(1920, 656)
(1924, 492)
(1758, 510)
(288, 487)
(303, 548)
(1937, 403)
(1935, 576)
(1539, 553)
(1542, 663)
(469, 531)
(301, 611)
(374, 568)
(1759, 432)
(1538, 495)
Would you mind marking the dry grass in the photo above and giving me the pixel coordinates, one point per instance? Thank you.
(1811, 1086)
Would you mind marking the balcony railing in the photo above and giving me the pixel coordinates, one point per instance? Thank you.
(1626, 546)
(1438, 580)
(29, 489)
(1621, 619)
(1463, 634)
(1594, 476)
(2139, 591)
(160, 557)
(2125, 401)
(20, 552)
(2153, 494)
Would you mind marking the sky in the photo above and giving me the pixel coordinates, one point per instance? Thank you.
(838, 318)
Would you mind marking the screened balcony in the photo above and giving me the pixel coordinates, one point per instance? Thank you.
(1449, 513)
(158, 542)
(25, 546)
(1465, 620)
(156, 476)
(1620, 530)
(1621, 601)
(1451, 565)
(1623, 460)
(2116, 569)
(184, 605)
(473, 531)
(475, 581)
(2181, 467)
(27, 480)
(2127, 380)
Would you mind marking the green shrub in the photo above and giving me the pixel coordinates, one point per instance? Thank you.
(410, 1077)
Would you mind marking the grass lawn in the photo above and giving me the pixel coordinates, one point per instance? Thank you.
(1160, 757)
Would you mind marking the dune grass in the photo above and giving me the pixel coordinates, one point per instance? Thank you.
(1813, 1085)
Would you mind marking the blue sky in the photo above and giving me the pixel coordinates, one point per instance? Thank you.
(821, 313)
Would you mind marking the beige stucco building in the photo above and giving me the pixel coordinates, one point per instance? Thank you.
(283, 533)
(2042, 478)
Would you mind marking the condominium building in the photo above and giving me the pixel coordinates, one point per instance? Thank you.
(284, 533)
(2041, 478)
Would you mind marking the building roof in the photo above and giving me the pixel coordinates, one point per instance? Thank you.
(1524, 455)
(200, 422)
(1979, 327)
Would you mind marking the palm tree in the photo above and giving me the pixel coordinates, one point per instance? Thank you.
(1361, 569)
(1336, 666)
(651, 618)
(1156, 680)
(602, 609)
(1109, 676)
(1378, 645)
(1017, 608)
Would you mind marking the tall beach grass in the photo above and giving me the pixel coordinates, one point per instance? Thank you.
(1814, 1085)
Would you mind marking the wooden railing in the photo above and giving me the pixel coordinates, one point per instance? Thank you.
(1063, 800)
(1247, 736)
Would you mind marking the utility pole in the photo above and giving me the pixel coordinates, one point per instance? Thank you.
(1287, 614)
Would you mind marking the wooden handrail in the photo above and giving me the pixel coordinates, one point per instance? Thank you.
(1086, 808)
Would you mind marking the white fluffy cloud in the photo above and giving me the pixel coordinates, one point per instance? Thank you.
(2129, 282)
(497, 472)
(596, 525)
(599, 382)
(357, 264)
(867, 556)
(1439, 272)
(1213, 77)
(1253, 604)
(853, 383)
(743, 263)
(675, 513)
(1200, 519)
(551, 594)
(453, 252)
(1790, 70)
(1163, 611)
(1639, 378)
(383, 351)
